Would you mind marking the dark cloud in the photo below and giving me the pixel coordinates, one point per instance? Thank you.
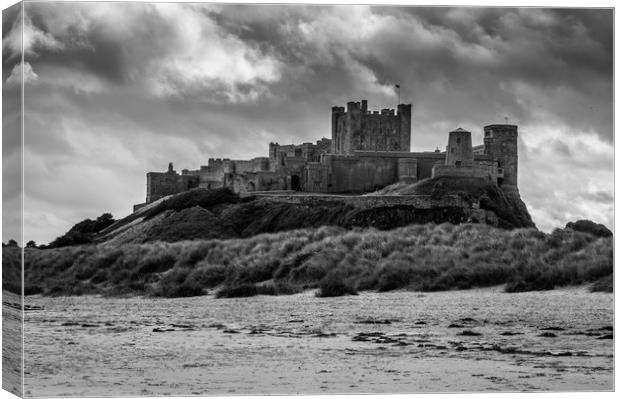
(96, 46)
(119, 89)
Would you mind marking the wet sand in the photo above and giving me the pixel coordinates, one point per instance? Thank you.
(399, 342)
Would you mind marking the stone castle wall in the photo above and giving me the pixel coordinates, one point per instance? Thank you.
(159, 185)
(371, 201)
(368, 150)
(475, 170)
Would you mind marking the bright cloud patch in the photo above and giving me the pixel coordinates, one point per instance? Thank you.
(15, 78)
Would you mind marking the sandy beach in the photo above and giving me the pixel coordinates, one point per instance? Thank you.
(399, 342)
(11, 342)
(475, 340)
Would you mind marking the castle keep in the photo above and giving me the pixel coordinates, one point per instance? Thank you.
(368, 150)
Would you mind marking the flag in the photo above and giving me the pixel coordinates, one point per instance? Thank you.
(397, 86)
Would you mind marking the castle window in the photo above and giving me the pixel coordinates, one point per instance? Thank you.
(458, 164)
(452, 150)
(458, 140)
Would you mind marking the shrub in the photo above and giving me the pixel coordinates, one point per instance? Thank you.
(539, 282)
(604, 284)
(240, 290)
(71, 238)
(156, 263)
(279, 288)
(444, 282)
(588, 226)
(237, 291)
(185, 289)
(334, 284)
(32, 290)
(177, 283)
(393, 276)
(210, 275)
(83, 232)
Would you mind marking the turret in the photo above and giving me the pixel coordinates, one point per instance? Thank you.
(459, 150)
(500, 142)
(273, 150)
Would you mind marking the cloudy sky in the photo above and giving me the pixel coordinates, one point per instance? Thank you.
(115, 90)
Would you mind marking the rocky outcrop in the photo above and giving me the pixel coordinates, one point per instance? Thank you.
(488, 202)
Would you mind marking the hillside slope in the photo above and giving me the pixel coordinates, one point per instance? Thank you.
(208, 214)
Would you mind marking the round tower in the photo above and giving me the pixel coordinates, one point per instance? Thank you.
(459, 151)
(500, 142)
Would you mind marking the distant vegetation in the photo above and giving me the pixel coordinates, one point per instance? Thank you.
(333, 260)
(588, 226)
(83, 232)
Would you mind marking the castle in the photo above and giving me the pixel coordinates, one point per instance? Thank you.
(368, 150)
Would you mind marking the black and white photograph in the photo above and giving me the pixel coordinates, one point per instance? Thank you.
(227, 199)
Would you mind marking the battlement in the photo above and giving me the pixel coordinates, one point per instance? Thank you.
(502, 130)
(308, 151)
(362, 108)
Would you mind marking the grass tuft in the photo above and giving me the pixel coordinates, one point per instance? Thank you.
(335, 284)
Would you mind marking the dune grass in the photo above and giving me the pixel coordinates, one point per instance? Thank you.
(336, 284)
(604, 284)
(12, 269)
(334, 260)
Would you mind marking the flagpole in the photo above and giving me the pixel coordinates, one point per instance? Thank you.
(398, 88)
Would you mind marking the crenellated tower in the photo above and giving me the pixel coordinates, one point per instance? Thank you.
(359, 129)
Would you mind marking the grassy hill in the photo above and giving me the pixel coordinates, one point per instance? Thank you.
(333, 259)
(208, 214)
(212, 240)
